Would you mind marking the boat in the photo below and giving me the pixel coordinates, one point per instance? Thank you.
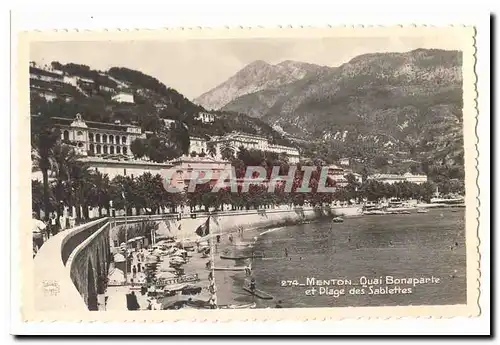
(448, 201)
(422, 210)
(236, 306)
(404, 212)
(258, 293)
(337, 220)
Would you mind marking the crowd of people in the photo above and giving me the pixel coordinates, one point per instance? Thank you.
(52, 225)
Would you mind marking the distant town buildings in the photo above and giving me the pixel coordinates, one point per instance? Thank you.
(197, 144)
(168, 122)
(98, 138)
(393, 178)
(339, 175)
(196, 167)
(344, 161)
(254, 142)
(205, 117)
(123, 97)
(48, 75)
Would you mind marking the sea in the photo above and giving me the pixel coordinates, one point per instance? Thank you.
(358, 254)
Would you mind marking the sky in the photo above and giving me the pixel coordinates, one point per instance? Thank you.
(193, 67)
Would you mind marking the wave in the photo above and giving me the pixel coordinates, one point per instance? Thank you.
(272, 230)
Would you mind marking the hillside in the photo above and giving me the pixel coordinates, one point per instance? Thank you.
(77, 88)
(404, 104)
(257, 76)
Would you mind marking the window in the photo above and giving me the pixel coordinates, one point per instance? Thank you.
(118, 149)
(124, 140)
(124, 150)
(98, 148)
(91, 148)
(66, 135)
(112, 149)
(125, 172)
(98, 138)
(104, 138)
(111, 139)
(91, 137)
(79, 134)
(118, 139)
(105, 149)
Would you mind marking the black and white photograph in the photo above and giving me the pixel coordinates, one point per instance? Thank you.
(255, 173)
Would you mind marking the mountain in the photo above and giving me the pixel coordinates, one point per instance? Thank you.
(257, 76)
(375, 104)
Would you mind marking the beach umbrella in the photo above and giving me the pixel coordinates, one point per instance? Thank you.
(176, 260)
(116, 277)
(118, 258)
(165, 275)
(175, 287)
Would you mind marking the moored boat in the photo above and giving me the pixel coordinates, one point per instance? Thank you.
(258, 293)
(347, 211)
(337, 220)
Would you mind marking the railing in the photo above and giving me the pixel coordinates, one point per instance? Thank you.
(54, 289)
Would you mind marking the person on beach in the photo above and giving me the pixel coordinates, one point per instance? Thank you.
(278, 305)
(218, 238)
(38, 231)
(252, 285)
(230, 238)
(286, 252)
(53, 223)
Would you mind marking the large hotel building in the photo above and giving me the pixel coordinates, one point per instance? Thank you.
(98, 138)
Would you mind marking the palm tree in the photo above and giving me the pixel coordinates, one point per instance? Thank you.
(44, 137)
(96, 188)
(69, 173)
(227, 151)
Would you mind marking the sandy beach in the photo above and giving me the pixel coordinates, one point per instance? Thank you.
(229, 283)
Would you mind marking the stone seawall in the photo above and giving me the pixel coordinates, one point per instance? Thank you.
(226, 222)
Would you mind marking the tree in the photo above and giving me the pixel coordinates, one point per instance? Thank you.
(139, 148)
(226, 151)
(44, 136)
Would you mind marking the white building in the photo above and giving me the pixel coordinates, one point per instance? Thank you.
(47, 75)
(205, 117)
(197, 167)
(197, 144)
(168, 122)
(254, 142)
(123, 97)
(418, 179)
(98, 138)
(124, 167)
(393, 178)
(344, 161)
